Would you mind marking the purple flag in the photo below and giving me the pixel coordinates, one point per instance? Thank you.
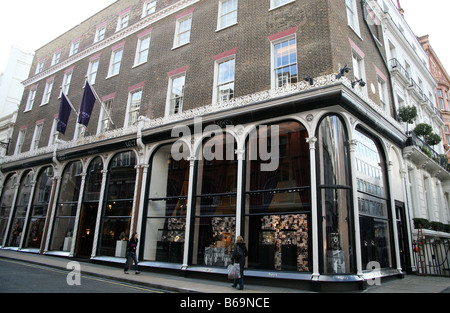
(64, 114)
(87, 104)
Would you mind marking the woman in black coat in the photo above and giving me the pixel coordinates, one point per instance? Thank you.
(238, 256)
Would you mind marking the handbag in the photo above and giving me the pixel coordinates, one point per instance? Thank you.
(234, 271)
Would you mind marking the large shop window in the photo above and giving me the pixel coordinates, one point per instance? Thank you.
(39, 208)
(215, 202)
(5, 204)
(167, 204)
(66, 207)
(89, 208)
(335, 197)
(118, 204)
(373, 202)
(278, 202)
(20, 211)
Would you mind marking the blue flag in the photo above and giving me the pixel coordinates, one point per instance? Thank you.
(64, 113)
(87, 104)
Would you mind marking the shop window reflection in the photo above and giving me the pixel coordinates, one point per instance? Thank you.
(334, 192)
(5, 204)
(39, 208)
(215, 203)
(373, 202)
(20, 210)
(278, 204)
(167, 205)
(118, 205)
(66, 207)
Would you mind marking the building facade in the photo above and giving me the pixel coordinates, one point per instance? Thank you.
(273, 120)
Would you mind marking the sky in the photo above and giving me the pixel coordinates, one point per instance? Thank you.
(30, 24)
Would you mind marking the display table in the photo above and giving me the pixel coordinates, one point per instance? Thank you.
(217, 257)
(121, 248)
(67, 244)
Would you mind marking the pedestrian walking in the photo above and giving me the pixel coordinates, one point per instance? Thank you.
(131, 254)
(238, 256)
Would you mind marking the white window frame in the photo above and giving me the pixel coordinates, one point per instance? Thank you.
(47, 91)
(275, 5)
(123, 21)
(93, 70)
(222, 15)
(179, 32)
(383, 92)
(274, 77)
(352, 15)
(66, 82)
(31, 98)
(56, 57)
(74, 47)
(216, 94)
(170, 98)
(53, 132)
(141, 49)
(148, 8)
(104, 123)
(20, 141)
(37, 136)
(359, 71)
(132, 112)
(40, 67)
(113, 62)
(100, 33)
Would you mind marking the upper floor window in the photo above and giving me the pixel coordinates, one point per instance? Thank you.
(47, 91)
(224, 88)
(284, 62)
(20, 140)
(92, 70)
(134, 106)
(105, 113)
(277, 3)
(183, 31)
(143, 49)
(66, 81)
(54, 131)
(149, 8)
(37, 135)
(56, 57)
(123, 20)
(175, 94)
(40, 67)
(74, 47)
(116, 60)
(31, 97)
(358, 69)
(352, 15)
(100, 32)
(227, 13)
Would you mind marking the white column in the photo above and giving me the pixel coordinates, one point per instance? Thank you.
(394, 217)
(314, 208)
(189, 211)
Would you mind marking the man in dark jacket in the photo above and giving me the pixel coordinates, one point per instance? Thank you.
(131, 253)
(238, 256)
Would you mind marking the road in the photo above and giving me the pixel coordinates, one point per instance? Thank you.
(22, 277)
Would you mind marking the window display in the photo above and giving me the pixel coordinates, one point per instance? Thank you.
(118, 204)
(278, 204)
(167, 205)
(20, 210)
(335, 196)
(5, 205)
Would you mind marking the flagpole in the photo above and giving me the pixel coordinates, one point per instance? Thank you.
(68, 100)
(101, 102)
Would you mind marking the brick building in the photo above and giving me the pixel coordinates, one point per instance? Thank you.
(193, 95)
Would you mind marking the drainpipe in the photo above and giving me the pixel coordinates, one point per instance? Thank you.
(364, 4)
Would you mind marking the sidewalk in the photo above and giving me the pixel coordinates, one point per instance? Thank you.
(175, 283)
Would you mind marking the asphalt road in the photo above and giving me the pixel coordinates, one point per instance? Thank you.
(21, 277)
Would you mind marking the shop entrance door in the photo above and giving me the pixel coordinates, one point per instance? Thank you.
(402, 233)
(86, 230)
